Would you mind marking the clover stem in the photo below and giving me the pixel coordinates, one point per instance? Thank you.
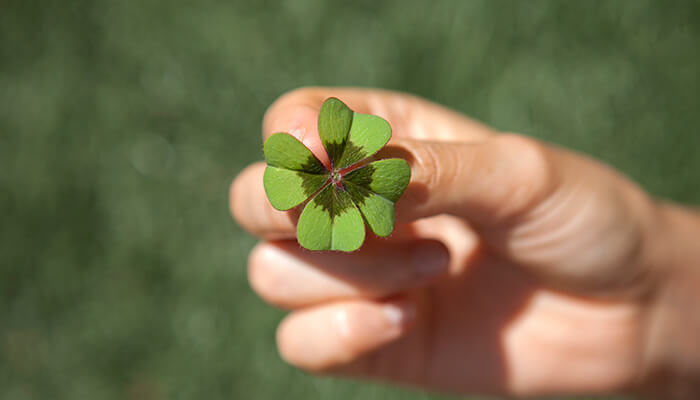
(337, 178)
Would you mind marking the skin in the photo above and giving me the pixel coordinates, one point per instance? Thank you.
(517, 268)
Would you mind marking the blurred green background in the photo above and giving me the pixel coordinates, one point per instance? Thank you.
(122, 123)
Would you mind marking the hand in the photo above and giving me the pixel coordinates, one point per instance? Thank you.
(516, 267)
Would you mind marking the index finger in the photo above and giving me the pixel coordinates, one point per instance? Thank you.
(410, 117)
(297, 113)
(487, 183)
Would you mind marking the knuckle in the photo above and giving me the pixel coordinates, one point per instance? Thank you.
(532, 169)
(428, 163)
(529, 154)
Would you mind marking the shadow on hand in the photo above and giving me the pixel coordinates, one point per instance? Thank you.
(458, 343)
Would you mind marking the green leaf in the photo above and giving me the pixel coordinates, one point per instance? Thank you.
(341, 203)
(334, 122)
(330, 221)
(387, 178)
(285, 151)
(376, 210)
(293, 173)
(375, 188)
(287, 189)
(368, 134)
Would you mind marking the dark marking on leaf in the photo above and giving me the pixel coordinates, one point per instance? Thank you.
(333, 200)
(313, 166)
(362, 176)
(352, 154)
(311, 183)
(358, 194)
(340, 152)
(335, 151)
(315, 171)
(334, 121)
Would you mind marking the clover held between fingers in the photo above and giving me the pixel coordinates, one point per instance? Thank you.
(339, 198)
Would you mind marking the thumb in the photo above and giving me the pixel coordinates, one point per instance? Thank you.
(486, 182)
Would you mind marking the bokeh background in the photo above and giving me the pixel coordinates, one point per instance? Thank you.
(122, 123)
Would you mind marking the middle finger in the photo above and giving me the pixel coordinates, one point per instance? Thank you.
(286, 275)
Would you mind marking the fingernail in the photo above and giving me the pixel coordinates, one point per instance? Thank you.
(430, 258)
(399, 314)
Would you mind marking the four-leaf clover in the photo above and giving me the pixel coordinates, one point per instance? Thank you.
(352, 190)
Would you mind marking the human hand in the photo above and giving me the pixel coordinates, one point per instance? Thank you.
(516, 267)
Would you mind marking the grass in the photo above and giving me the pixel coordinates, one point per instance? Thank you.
(122, 123)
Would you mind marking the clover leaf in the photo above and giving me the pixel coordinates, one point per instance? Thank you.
(352, 190)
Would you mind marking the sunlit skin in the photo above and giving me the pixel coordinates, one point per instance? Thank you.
(516, 267)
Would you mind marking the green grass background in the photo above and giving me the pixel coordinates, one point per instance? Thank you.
(122, 123)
